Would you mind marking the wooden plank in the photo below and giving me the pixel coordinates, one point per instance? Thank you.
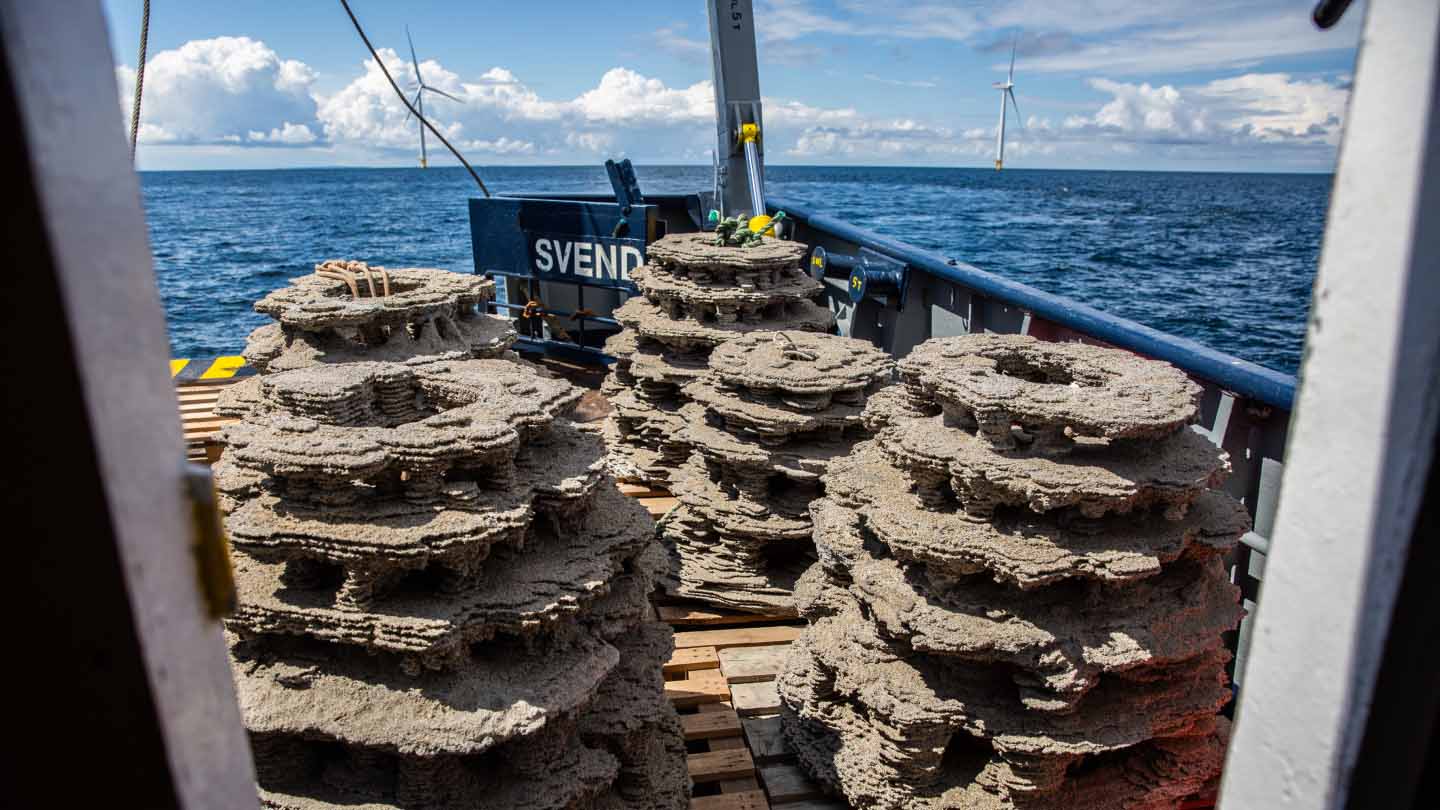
(765, 738)
(787, 783)
(710, 725)
(737, 637)
(749, 800)
(693, 658)
(713, 766)
(658, 507)
(742, 785)
(703, 686)
(751, 664)
(755, 698)
(686, 614)
(640, 490)
(213, 423)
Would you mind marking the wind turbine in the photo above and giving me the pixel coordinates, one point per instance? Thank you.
(1007, 90)
(419, 101)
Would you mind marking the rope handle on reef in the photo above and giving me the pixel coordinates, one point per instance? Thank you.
(339, 271)
(793, 352)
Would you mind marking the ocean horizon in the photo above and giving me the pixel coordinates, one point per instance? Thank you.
(700, 167)
(1224, 258)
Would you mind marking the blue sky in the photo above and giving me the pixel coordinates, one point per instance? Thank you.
(1161, 84)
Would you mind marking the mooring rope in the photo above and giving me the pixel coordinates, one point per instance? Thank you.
(139, 80)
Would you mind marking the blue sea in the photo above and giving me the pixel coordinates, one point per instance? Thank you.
(1225, 259)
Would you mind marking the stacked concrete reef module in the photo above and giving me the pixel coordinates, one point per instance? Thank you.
(442, 594)
(696, 295)
(1020, 596)
(773, 411)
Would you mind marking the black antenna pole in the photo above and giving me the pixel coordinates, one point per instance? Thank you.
(406, 102)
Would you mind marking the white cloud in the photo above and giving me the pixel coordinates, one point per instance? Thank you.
(624, 96)
(901, 82)
(1267, 115)
(1116, 37)
(1260, 109)
(672, 40)
(237, 94)
(218, 90)
(366, 112)
(288, 134)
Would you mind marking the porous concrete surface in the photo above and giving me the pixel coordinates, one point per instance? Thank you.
(1097, 478)
(442, 591)
(682, 293)
(697, 254)
(694, 297)
(742, 535)
(1030, 623)
(429, 314)
(802, 364)
(1086, 390)
(654, 323)
(1025, 549)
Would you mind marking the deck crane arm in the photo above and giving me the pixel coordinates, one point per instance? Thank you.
(740, 150)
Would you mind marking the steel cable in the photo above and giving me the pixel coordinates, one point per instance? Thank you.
(139, 80)
(406, 102)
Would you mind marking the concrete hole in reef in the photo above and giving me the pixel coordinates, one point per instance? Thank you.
(965, 756)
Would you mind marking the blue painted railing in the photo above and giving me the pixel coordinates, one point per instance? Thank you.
(1243, 377)
(1249, 380)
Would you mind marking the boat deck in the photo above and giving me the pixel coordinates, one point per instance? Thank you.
(721, 677)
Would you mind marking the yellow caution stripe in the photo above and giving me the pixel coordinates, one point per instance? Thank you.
(219, 368)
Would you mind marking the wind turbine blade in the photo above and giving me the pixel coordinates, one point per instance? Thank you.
(1013, 43)
(414, 61)
(441, 92)
(1016, 105)
(414, 102)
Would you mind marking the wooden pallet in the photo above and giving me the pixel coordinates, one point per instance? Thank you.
(198, 419)
(721, 679)
(656, 501)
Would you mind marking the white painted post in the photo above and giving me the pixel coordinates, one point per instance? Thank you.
(1362, 438)
(57, 55)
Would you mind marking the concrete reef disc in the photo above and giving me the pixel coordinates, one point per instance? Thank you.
(800, 363)
(1087, 390)
(698, 250)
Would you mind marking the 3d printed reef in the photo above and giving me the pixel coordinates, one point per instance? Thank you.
(442, 592)
(1020, 596)
(764, 423)
(696, 296)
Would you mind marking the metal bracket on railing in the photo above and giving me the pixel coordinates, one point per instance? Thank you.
(819, 260)
(875, 275)
(627, 193)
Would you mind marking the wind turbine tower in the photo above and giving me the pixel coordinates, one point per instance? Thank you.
(421, 88)
(1007, 90)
